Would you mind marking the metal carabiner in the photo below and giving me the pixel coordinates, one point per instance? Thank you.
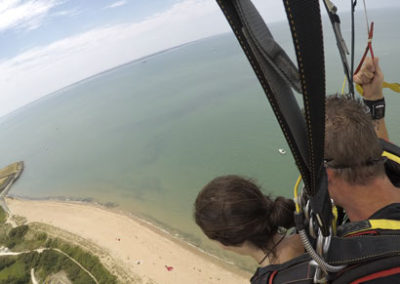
(319, 275)
(311, 227)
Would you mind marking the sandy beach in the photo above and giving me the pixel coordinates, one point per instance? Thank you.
(147, 254)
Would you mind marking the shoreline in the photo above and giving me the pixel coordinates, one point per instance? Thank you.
(148, 221)
(141, 248)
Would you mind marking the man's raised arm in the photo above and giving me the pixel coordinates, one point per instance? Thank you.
(370, 78)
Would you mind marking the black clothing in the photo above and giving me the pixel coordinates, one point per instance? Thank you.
(297, 270)
(392, 212)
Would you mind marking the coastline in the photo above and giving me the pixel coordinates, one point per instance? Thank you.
(145, 252)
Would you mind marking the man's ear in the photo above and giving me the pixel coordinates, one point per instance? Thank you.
(330, 173)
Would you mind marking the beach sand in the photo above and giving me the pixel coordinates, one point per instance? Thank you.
(143, 251)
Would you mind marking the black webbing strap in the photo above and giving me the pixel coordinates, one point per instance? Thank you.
(264, 54)
(266, 45)
(362, 248)
(305, 23)
(356, 272)
(321, 205)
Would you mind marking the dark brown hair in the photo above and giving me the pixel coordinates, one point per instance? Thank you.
(232, 209)
(351, 143)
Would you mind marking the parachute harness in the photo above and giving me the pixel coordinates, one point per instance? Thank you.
(302, 216)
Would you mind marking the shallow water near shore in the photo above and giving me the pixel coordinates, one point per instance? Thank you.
(149, 134)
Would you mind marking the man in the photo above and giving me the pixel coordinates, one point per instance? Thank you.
(356, 176)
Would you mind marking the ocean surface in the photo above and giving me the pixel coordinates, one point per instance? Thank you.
(146, 136)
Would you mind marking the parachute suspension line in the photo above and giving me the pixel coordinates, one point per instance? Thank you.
(340, 42)
(370, 33)
(296, 195)
(366, 16)
(351, 84)
(395, 87)
(344, 85)
(368, 48)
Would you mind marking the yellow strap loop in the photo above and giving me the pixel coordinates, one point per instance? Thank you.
(395, 87)
(385, 224)
(391, 156)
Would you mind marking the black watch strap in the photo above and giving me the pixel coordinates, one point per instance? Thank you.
(376, 108)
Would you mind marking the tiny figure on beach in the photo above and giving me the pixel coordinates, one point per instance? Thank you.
(169, 268)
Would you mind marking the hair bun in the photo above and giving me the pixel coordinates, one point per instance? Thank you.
(281, 214)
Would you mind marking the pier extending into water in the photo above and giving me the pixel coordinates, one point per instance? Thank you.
(8, 176)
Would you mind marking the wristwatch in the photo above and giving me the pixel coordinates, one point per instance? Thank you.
(376, 108)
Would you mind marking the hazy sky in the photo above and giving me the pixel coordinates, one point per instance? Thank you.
(48, 44)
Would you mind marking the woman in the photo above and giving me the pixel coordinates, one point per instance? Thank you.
(233, 211)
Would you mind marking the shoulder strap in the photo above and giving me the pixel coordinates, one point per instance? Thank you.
(362, 248)
(358, 228)
(297, 270)
(378, 271)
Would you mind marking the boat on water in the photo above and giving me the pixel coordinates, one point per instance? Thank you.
(282, 151)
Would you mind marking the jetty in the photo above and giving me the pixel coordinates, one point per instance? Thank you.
(8, 176)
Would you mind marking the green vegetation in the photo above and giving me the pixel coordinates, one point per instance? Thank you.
(51, 262)
(15, 272)
(89, 261)
(15, 236)
(16, 269)
(4, 228)
(3, 216)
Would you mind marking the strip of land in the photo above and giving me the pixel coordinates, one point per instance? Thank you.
(143, 251)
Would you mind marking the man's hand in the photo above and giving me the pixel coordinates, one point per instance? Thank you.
(370, 77)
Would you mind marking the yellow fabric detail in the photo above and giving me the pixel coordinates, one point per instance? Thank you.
(391, 156)
(384, 224)
(359, 89)
(395, 87)
(335, 218)
(378, 224)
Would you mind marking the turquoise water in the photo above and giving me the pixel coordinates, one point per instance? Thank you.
(149, 134)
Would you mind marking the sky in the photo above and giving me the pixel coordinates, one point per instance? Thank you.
(46, 45)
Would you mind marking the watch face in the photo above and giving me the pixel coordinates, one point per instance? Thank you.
(378, 111)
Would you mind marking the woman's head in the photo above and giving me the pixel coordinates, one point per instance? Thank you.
(232, 209)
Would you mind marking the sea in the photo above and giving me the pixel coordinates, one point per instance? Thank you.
(146, 136)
